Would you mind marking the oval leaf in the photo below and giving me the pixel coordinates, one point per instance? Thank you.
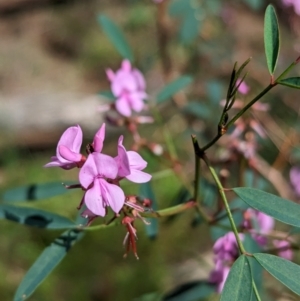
(35, 192)
(293, 82)
(35, 217)
(279, 208)
(45, 263)
(283, 270)
(146, 191)
(173, 87)
(116, 37)
(271, 38)
(238, 285)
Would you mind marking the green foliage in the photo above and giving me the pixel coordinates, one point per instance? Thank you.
(279, 208)
(238, 285)
(271, 38)
(46, 263)
(116, 37)
(35, 217)
(293, 82)
(172, 88)
(283, 270)
(188, 13)
(35, 192)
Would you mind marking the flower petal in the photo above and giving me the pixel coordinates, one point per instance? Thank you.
(122, 160)
(67, 154)
(138, 176)
(93, 199)
(105, 165)
(88, 172)
(71, 138)
(112, 195)
(99, 138)
(136, 100)
(123, 106)
(136, 161)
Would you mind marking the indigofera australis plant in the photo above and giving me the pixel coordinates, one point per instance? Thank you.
(246, 241)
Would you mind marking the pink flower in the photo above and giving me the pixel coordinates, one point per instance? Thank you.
(243, 88)
(68, 150)
(260, 223)
(285, 251)
(128, 86)
(94, 176)
(225, 248)
(130, 165)
(226, 252)
(295, 179)
(218, 276)
(295, 3)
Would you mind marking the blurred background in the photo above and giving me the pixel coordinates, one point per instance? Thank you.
(53, 56)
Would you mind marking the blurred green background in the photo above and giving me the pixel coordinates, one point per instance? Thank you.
(53, 57)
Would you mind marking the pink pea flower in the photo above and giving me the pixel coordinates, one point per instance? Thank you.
(225, 248)
(294, 3)
(258, 224)
(295, 179)
(218, 276)
(128, 86)
(130, 165)
(225, 253)
(94, 176)
(243, 88)
(284, 249)
(68, 150)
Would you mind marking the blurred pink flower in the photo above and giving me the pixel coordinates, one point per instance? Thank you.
(68, 149)
(218, 276)
(258, 223)
(295, 179)
(243, 88)
(128, 86)
(130, 165)
(94, 176)
(294, 3)
(286, 251)
(225, 253)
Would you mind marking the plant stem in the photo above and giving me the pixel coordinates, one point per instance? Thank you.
(256, 293)
(223, 196)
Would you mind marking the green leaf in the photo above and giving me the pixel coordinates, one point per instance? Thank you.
(116, 37)
(238, 285)
(283, 270)
(35, 217)
(198, 109)
(172, 88)
(189, 28)
(146, 191)
(35, 192)
(293, 82)
(191, 291)
(271, 38)
(279, 208)
(46, 263)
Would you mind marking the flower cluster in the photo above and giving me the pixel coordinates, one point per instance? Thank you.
(99, 174)
(128, 86)
(225, 253)
(225, 249)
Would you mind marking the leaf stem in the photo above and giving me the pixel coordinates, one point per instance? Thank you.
(256, 293)
(223, 196)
